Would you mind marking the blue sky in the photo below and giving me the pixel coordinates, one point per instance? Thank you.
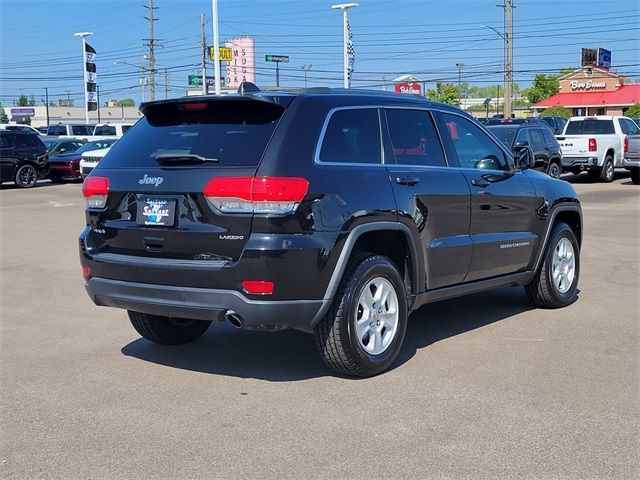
(423, 37)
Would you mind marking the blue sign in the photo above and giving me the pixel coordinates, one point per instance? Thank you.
(604, 58)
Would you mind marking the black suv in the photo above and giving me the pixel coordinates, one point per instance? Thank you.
(23, 158)
(538, 137)
(328, 211)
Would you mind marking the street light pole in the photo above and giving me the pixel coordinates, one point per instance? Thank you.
(216, 46)
(46, 97)
(345, 38)
(305, 69)
(83, 35)
(143, 79)
(460, 66)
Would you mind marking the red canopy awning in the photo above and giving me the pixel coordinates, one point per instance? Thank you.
(626, 95)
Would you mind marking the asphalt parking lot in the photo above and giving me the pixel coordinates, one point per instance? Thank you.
(485, 387)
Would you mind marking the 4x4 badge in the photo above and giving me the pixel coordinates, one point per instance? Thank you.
(147, 180)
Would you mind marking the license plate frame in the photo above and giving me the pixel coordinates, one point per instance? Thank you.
(156, 212)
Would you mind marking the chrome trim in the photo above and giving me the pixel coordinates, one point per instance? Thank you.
(158, 262)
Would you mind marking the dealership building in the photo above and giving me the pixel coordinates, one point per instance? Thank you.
(592, 90)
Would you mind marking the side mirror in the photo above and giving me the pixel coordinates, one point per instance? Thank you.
(521, 144)
(524, 158)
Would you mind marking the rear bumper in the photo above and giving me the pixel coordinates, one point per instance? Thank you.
(584, 162)
(65, 171)
(631, 162)
(203, 304)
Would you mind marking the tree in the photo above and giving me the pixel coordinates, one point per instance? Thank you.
(127, 102)
(544, 86)
(23, 101)
(444, 93)
(557, 111)
(634, 111)
(3, 116)
(32, 101)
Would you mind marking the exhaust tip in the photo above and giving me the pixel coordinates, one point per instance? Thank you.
(233, 318)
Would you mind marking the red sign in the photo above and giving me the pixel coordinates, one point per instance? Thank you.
(411, 88)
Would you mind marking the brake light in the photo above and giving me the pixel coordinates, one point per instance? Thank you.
(271, 195)
(257, 287)
(86, 272)
(626, 144)
(96, 191)
(193, 106)
(593, 145)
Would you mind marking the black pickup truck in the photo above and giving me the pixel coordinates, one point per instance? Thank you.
(334, 212)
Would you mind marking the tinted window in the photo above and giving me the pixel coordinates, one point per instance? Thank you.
(472, 146)
(537, 139)
(414, 138)
(28, 141)
(523, 136)
(505, 135)
(57, 130)
(4, 141)
(548, 137)
(80, 130)
(97, 145)
(125, 128)
(105, 130)
(67, 147)
(628, 127)
(232, 132)
(352, 136)
(590, 126)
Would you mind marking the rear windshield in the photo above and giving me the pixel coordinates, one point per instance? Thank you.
(590, 126)
(505, 135)
(105, 130)
(27, 140)
(235, 133)
(81, 129)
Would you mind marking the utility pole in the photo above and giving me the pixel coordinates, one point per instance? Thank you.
(204, 54)
(166, 83)
(460, 66)
(151, 43)
(46, 97)
(216, 46)
(98, 99)
(345, 37)
(508, 56)
(305, 69)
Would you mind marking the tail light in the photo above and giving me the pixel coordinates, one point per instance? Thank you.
(626, 144)
(95, 191)
(86, 272)
(271, 195)
(593, 145)
(257, 287)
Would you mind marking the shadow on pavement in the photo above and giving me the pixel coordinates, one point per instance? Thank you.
(291, 355)
(584, 178)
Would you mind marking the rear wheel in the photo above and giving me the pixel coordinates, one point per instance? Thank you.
(554, 170)
(363, 332)
(635, 175)
(556, 282)
(608, 170)
(26, 176)
(167, 330)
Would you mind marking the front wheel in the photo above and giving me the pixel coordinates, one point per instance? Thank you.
(635, 175)
(554, 170)
(363, 332)
(26, 176)
(167, 330)
(556, 282)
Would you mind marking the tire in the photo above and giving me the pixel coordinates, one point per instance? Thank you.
(26, 176)
(56, 179)
(635, 175)
(167, 330)
(608, 170)
(543, 291)
(554, 170)
(350, 350)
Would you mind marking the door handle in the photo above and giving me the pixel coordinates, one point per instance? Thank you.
(480, 182)
(410, 181)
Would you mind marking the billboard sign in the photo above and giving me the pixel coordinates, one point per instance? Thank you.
(196, 81)
(604, 58)
(276, 58)
(412, 88)
(226, 54)
(243, 66)
(589, 57)
(16, 112)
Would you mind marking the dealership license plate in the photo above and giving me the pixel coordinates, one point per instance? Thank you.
(157, 212)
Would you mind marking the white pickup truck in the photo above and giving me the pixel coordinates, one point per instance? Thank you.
(599, 145)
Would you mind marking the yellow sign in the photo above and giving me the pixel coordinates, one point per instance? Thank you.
(226, 54)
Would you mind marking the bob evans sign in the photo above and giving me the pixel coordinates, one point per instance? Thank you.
(588, 85)
(411, 88)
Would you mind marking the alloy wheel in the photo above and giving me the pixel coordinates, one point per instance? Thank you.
(377, 316)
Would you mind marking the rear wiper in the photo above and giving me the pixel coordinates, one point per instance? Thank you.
(183, 158)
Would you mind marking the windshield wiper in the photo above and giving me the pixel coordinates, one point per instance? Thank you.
(183, 158)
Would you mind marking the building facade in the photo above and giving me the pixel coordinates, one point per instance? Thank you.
(36, 116)
(593, 91)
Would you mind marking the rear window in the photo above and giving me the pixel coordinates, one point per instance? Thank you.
(590, 127)
(81, 129)
(57, 130)
(235, 133)
(105, 130)
(505, 135)
(28, 141)
(352, 136)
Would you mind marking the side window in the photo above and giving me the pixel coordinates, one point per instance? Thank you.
(537, 138)
(548, 136)
(414, 138)
(4, 142)
(352, 136)
(57, 130)
(629, 127)
(80, 130)
(472, 146)
(523, 136)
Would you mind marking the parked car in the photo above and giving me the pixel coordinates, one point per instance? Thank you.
(631, 160)
(637, 121)
(546, 149)
(90, 160)
(42, 130)
(23, 158)
(59, 146)
(335, 213)
(67, 166)
(19, 127)
(596, 144)
(78, 130)
(111, 129)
